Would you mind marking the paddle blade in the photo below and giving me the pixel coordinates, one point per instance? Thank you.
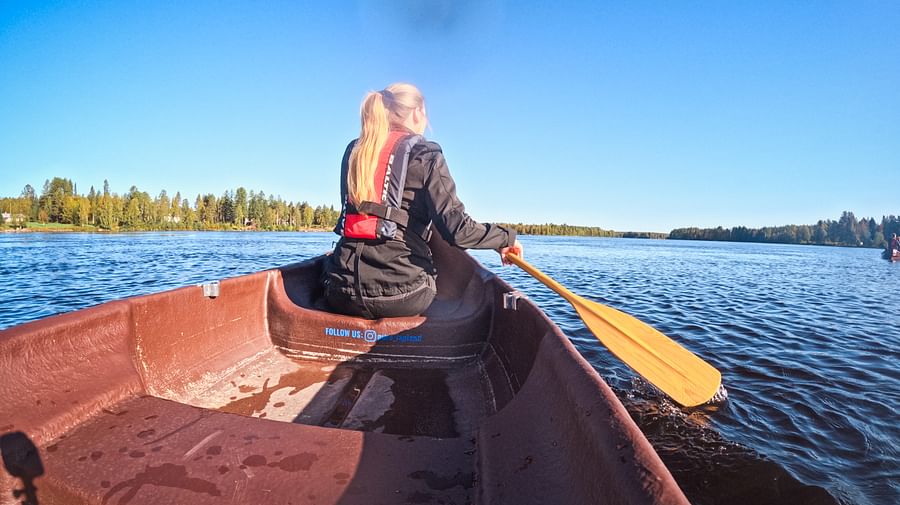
(679, 373)
(673, 369)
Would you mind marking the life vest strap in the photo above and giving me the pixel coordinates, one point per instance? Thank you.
(394, 214)
(402, 218)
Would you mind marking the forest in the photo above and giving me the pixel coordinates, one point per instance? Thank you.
(60, 203)
(579, 231)
(846, 231)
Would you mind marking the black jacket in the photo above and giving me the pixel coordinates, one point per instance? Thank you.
(396, 266)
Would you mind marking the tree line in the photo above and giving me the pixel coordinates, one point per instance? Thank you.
(59, 202)
(579, 231)
(846, 231)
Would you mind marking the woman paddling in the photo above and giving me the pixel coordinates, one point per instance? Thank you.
(395, 190)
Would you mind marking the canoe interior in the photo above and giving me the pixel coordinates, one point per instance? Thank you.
(260, 396)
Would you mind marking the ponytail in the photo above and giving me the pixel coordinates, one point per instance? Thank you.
(364, 158)
(380, 110)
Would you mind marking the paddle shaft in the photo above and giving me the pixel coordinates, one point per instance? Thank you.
(573, 299)
(541, 276)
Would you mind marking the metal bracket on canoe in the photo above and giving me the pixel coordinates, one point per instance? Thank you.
(511, 300)
(210, 289)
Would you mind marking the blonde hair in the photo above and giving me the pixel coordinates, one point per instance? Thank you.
(380, 110)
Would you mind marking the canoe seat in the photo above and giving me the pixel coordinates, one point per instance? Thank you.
(454, 326)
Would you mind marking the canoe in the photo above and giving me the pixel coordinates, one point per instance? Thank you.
(890, 257)
(247, 391)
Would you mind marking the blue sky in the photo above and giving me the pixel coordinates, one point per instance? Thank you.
(625, 115)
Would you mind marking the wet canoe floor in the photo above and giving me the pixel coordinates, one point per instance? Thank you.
(405, 433)
(436, 398)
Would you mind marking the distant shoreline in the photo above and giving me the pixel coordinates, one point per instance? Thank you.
(635, 235)
(112, 232)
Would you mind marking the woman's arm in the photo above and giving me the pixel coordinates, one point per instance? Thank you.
(449, 214)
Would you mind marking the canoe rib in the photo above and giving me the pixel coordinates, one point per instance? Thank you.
(159, 399)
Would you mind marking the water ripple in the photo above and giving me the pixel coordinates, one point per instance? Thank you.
(46, 274)
(806, 339)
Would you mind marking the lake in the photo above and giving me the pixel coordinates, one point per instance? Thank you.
(807, 339)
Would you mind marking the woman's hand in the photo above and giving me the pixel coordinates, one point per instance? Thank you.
(515, 249)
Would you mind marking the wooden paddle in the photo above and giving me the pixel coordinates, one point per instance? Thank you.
(657, 358)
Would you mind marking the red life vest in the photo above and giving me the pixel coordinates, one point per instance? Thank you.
(381, 220)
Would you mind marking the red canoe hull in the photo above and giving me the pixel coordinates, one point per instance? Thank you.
(258, 396)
